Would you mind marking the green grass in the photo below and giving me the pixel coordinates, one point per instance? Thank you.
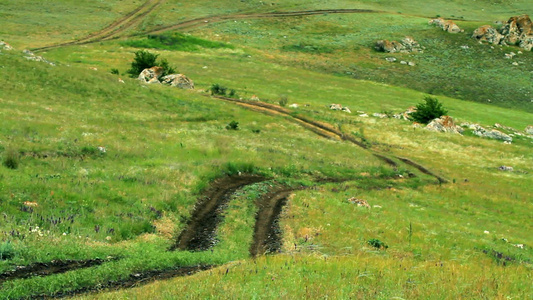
(110, 169)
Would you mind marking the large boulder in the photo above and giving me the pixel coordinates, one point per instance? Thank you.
(151, 75)
(517, 31)
(446, 25)
(406, 45)
(444, 124)
(178, 80)
(489, 34)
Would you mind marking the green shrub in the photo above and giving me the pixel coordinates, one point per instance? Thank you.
(377, 244)
(6, 251)
(283, 100)
(427, 111)
(217, 89)
(233, 125)
(144, 59)
(11, 159)
(115, 71)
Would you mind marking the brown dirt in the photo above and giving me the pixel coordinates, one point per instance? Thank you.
(267, 234)
(199, 234)
(49, 268)
(422, 169)
(134, 280)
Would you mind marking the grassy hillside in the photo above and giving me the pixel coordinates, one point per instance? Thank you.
(98, 178)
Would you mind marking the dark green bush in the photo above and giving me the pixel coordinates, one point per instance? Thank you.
(427, 111)
(144, 59)
(6, 251)
(233, 125)
(217, 89)
(11, 159)
(115, 71)
(283, 100)
(377, 244)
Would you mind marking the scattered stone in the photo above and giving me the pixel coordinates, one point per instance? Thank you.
(507, 143)
(444, 124)
(335, 106)
(465, 47)
(406, 45)
(529, 129)
(390, 59)
(514, 63)
(294, 105)
(405, 114)
(506, 168)
(363, 115)
(403, 62)
(509, 55)
(30, 204)
(379, 115)
(102, 149)
(255, 98)
(491, 134)
(486, 232)
(5, 46)
(521, 246)
(412, 64)
(359, 202)
(346, 109)
(446, 25)
(120, 80)
(31, 56)
(151, 75)
(93, 68)
(178, 80)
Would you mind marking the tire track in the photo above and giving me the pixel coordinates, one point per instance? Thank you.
(325, 130)
(112, 30)
(267, 233)
(50, 268)
(213, 19)
(199, 234)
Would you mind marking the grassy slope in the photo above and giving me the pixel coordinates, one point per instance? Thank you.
(163, 144)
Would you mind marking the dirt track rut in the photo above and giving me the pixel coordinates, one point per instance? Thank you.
(199, 234)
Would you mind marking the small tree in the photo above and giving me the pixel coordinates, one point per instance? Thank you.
(426, 112)
(143, 60)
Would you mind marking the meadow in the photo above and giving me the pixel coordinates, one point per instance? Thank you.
(112, 171)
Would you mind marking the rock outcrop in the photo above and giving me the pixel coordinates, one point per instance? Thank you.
(339, 107)
(405, 114)
(31, 56)
(5, 46)
(406, 45)
(517, 31)
(151, 75)
(178, 80)
(490, 133)
(529, 129)
(446, 25)
(444, 124)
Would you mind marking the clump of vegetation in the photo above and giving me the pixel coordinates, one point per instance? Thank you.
(145, 59)
(233, 125)
(11, 159)
(427, 111)
(217, 89)
(283, 100)
(307, 48)
(175, 41)
(115, 71)
(6, 251)
(377, 244)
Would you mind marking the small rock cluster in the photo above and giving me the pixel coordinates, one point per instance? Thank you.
(446, 25)
(339, 107)
(490, 133)
(153, 75)
(517, 31)
(5, 46)
(31, 56)
(406, 45)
